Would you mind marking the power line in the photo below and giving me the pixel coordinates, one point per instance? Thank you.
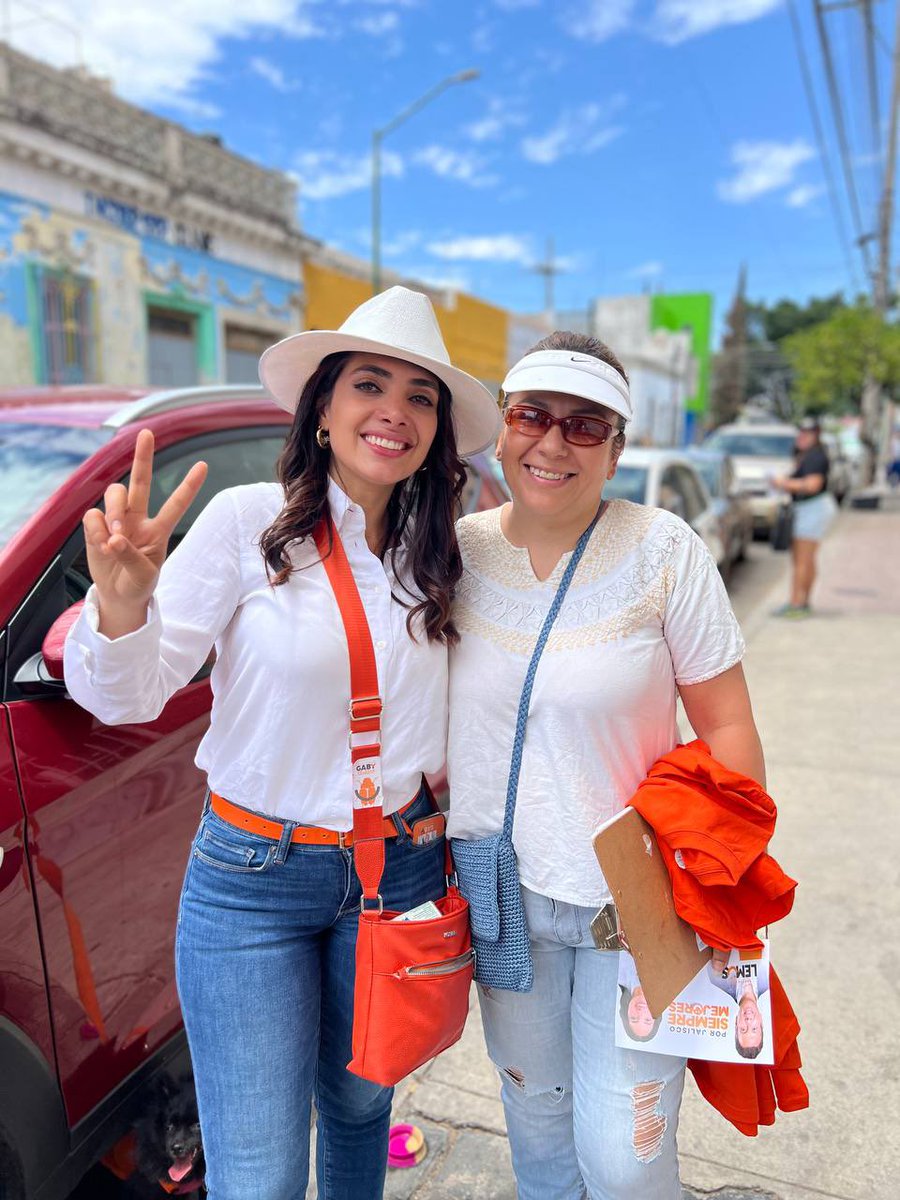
(872, 76)
(843, 144)
(823, 149)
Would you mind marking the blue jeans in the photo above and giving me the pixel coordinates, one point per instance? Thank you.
(265, 966)
(584, 1118)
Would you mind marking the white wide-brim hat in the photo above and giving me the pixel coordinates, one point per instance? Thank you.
(399, 323)
(574, 374)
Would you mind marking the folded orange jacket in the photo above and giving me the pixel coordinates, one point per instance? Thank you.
(713, 826)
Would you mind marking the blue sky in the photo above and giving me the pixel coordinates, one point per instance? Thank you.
(661, 143)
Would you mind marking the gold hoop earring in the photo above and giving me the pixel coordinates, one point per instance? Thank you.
(323, 439)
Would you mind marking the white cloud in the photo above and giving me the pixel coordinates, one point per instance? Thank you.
(504, 247)
(577, 131)
(803, 194)
(647, 270)
(499, 117)
(763, 167)
(677, 20)
(598, 20)
(379, 24)
(439, 281)
(272, 74)
(671, 21)
(152, 54)
(461, 166)
(325, 174)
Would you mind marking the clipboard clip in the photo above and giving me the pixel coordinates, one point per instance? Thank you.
(606, 929)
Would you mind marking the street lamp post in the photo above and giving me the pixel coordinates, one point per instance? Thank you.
(378, 136)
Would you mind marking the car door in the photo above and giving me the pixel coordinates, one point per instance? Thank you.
(111, 812)
(698, 509)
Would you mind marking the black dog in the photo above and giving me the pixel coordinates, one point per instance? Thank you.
(169, 1154)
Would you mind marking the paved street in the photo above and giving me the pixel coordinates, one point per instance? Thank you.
(825, 696)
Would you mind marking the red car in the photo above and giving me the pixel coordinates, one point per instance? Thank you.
(96, 822)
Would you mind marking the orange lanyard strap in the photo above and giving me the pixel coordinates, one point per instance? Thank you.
(365, 717)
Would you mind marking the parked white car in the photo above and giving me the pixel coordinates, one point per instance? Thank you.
(758, 452)
(667, 479)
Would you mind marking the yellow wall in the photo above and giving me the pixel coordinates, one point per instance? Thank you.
(475, 332)
(331, 295)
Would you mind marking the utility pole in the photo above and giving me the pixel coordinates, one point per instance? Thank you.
(549, 270)
(876, 416)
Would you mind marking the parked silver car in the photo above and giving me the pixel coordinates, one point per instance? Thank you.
(731, 505)
(758, 453)
(667, 479)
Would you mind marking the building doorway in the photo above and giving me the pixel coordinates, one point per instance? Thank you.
(171, 348)
(242, 350)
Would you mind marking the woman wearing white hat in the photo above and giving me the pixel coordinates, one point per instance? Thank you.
(645, 618)
(269, 910)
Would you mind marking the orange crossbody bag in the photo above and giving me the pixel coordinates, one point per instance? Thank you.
(411, 995)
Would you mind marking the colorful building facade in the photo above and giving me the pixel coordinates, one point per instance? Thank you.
(131, 251)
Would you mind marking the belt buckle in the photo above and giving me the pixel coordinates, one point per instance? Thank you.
(606, 930)
(342, 844)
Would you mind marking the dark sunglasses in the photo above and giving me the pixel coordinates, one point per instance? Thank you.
(578, 431)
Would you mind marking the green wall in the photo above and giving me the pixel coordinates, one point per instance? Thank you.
(695, 310)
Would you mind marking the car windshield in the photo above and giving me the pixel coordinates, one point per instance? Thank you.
(628, 483)
(752, 443)
(34, 461)
(710, 473)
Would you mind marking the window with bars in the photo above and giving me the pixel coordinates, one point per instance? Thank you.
(67, 321)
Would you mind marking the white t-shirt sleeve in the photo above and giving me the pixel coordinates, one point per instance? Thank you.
(129, 679)
(699, 626)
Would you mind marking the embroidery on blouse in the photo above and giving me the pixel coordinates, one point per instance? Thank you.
(493, 601)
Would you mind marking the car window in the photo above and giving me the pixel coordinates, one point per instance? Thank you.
(236, 457)
(752, 443)
(671, 497)
(35, 460)
(231, 463)
(628, 483)
(712, 473)
(691, 489)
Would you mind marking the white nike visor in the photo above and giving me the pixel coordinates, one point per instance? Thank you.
(573, 374)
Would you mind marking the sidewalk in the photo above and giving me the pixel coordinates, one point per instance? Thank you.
(825, 694)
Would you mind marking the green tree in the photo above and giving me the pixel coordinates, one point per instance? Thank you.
(830, 360)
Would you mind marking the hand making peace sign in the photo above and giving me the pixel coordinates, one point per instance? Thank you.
(126, 547)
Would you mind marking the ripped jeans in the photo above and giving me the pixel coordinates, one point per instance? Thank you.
(585, 1119)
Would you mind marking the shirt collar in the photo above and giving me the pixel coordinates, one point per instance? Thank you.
(344, 512)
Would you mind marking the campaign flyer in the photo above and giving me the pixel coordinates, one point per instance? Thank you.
(724, 1014)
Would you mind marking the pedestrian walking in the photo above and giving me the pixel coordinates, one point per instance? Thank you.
(645, 619)
(813, 509)
(269, 910)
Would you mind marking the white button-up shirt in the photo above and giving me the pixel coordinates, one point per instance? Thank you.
(277, 740)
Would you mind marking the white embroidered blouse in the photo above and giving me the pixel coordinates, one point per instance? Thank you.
(646, 610)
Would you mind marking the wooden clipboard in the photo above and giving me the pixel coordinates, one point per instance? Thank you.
(664, 947)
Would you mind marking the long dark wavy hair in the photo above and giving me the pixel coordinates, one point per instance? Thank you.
(420, 513)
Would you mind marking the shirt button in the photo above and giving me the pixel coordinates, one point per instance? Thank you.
(380, 644)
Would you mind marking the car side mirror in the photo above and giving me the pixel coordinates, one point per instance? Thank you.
(44, 671)
(52, 648)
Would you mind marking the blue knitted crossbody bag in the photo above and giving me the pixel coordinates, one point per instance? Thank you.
(486, 868)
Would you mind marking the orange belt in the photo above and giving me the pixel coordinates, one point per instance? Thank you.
(306, 835)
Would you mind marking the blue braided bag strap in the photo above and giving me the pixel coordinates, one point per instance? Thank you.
(515, 767)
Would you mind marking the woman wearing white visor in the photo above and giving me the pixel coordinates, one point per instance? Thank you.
(646, 618)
